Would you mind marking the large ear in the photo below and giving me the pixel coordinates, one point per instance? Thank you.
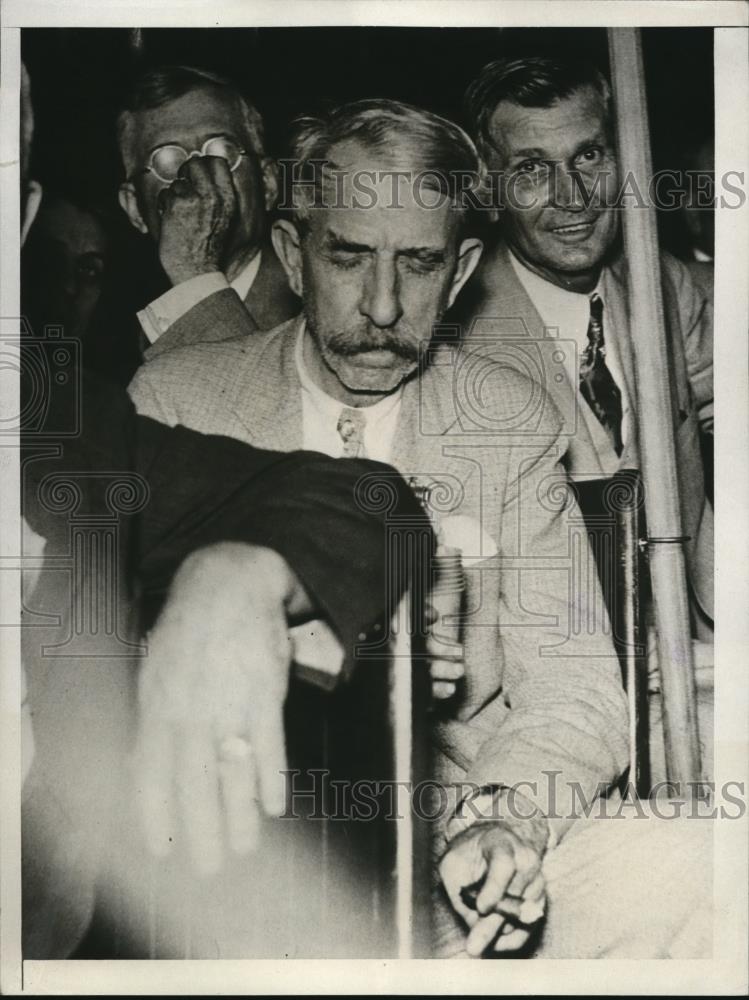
(129, 203)
(288, 246)
(469, 253)
(269, 172)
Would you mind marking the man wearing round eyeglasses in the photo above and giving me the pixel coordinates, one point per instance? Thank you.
(199, 183)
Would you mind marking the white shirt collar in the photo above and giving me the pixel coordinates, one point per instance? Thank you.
(567, 315)
(560, 309)
(246, 277)
(320, 414)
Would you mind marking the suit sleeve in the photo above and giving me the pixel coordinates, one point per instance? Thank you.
(161, 315)
(316, 512)
(696, 319)
(161, 388)
(565, 734)
(150, 400)
(204, 489)
(221, 315)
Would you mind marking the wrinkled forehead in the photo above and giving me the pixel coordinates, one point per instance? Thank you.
(582, 115)
(187, 121)
(364, 190)
(351, 155)
(353, 165)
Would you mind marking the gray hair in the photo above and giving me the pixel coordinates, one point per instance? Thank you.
(433, 148)
(532, 82)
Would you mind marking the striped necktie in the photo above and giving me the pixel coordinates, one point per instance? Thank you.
(597, 384)
(351, 428)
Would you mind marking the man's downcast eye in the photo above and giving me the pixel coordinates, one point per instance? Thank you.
(346, 261)
(414, 265)
(419, 265)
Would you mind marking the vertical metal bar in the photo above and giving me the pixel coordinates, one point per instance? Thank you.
(655, 422)
(629, 555)
(401, 715)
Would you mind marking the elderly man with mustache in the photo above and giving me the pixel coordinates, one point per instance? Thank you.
(380, 239)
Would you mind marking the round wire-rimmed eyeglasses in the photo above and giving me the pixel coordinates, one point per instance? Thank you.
(165, 161)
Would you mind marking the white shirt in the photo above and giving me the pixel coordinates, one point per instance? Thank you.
(160, 314)
(568, 313)
(321, 412)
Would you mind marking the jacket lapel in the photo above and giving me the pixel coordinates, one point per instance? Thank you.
(504, 309)
(272, 393)
(617, 307)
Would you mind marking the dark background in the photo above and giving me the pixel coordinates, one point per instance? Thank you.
(78, 75)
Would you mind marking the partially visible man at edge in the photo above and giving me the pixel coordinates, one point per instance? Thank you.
(556, 273)
(178, 121)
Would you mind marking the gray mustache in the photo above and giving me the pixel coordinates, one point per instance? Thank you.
(349, 344)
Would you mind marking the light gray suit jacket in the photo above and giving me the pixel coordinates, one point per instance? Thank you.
(541, 694)
(269, 302)
(495, 305)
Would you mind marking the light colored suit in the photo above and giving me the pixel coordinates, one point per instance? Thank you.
(563, 688)
(543, 703)
(495, 304)
(269, 302)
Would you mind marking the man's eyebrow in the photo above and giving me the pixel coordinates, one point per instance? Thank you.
(521, 154)
(535, 152)
(597, 139)
(337, 242)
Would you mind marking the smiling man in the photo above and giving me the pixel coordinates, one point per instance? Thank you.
(557, 275)
(559, 176)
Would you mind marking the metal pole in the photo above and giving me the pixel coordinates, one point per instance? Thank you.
(667, 567)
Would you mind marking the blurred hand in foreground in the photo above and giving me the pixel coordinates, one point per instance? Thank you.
(212, 688)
